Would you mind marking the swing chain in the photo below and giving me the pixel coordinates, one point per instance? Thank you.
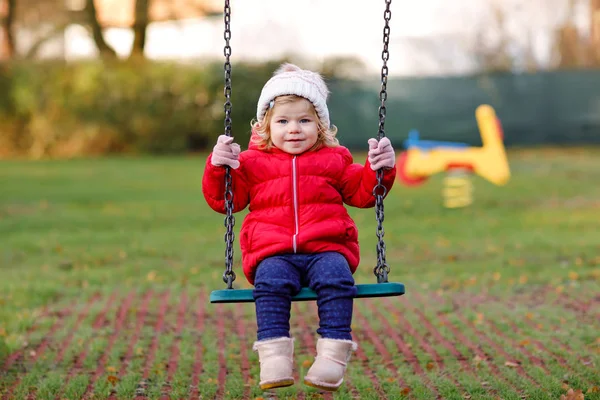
(228, 275)
(382, 269)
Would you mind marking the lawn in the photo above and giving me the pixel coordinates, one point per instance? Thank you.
(106, 266)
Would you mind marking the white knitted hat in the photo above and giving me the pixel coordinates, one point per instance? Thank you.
(290, 79)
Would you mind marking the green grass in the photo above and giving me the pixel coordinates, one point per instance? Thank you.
(75, 232)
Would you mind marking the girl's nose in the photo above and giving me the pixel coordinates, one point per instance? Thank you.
(293, 127)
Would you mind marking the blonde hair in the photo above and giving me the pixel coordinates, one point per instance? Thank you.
(326, 135)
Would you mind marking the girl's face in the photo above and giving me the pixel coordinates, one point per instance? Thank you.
(294, 126)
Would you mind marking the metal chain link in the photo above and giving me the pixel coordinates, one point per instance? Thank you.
(382, 270)
(228, 275)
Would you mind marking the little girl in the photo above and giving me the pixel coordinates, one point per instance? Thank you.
(296, 178)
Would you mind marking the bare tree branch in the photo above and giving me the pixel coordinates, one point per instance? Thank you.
(57, 30)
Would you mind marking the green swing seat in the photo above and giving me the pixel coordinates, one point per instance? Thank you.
(364, 290)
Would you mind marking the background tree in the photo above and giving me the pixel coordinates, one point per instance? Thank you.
(140, 24)
(526, 35)
(7, 14)
(595, 31)
(42, 21)
(91, 16)
(139, 14)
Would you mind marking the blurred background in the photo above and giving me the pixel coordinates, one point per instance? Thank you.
(95, 77)
(108, 252)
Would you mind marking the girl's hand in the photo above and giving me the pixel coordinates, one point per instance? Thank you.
(226, 153)
(381, 154)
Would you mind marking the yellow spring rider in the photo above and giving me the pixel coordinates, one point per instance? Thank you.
(424, 158)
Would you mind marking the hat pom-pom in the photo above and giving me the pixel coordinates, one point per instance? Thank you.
(287, 67)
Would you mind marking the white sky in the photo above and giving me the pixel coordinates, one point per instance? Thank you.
(316, 29)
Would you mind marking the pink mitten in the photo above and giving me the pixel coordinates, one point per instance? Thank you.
(381, 154)
(226, 152)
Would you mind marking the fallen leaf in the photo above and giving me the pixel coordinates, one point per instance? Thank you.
(593, 389)
(405, 391)
(430, 366)
(113, 380)
(573, 395)
(511, 364)
(573, 275)
(524, 342)
(479, 318)
(529, 315)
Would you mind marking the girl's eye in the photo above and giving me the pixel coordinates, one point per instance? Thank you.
(282, 121)
(304, 120)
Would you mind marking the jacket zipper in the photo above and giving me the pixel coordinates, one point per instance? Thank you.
(295, 188)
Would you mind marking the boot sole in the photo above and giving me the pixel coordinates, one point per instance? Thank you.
(275, 385)
(327, 388)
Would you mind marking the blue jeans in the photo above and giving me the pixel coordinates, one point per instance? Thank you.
(278, 278)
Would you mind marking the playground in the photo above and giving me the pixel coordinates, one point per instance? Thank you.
(108, 265)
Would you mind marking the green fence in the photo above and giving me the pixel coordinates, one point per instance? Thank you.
(544, 108)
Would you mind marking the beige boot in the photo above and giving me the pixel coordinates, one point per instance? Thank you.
(327, 372)
(276, 358)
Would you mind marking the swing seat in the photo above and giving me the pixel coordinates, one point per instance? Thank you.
(365, 290)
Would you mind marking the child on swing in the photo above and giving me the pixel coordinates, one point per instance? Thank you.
(296, 178)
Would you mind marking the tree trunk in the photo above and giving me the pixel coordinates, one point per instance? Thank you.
(140, 24)
(595, 31)
(103, 47)
(7, 47)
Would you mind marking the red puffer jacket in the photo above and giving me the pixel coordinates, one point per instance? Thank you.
(296, 202)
